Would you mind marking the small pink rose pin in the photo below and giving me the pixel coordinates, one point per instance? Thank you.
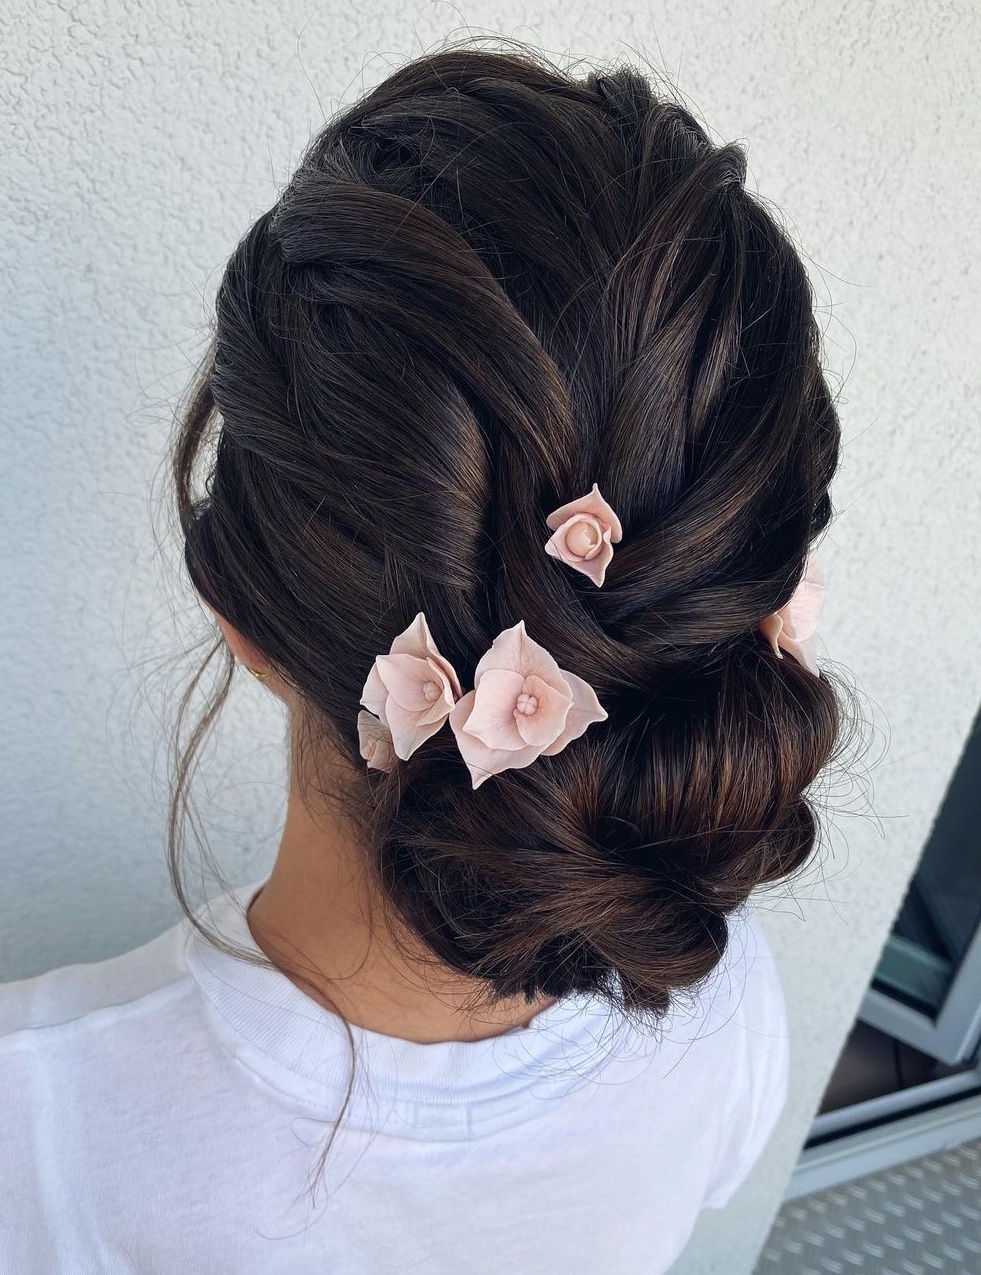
(794, 626)
(522, 706)
(585, 531)
(412, 689)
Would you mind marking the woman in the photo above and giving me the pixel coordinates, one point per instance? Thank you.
(513, 446)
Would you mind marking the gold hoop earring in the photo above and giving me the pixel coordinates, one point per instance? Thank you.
(259, 673)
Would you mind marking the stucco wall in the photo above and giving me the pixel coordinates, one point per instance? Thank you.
(142, 138)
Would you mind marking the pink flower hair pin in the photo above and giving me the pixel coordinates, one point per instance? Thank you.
(411, 692)
(584, 533)
(794, 626)
(521, 707)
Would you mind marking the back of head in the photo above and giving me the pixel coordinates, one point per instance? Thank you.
(488, 286)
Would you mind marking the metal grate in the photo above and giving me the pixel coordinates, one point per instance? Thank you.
(918, 1218)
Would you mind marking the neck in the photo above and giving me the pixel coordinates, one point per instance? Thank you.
(319, 920)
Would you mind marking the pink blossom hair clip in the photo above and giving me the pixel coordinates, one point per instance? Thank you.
(584, 533)
(522, 706)
(410, 691)
(794, 626)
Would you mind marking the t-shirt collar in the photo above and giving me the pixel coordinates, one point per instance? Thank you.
(279, 1031)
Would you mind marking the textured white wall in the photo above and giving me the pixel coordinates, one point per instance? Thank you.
(141, 141)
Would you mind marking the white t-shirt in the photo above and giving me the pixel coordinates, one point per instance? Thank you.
(164, 1110)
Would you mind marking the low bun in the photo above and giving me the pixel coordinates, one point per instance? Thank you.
(488, 286)
(611, 867)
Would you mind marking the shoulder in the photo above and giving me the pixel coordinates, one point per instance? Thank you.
(756, 1003)
(761, 1003)
(75, 994)
(740, 1005)
(758, 1053)
(90, 1054)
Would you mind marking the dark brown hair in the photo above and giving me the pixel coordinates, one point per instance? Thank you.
(488, 285)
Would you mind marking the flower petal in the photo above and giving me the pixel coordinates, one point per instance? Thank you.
(375, 742)
(442, 663)
(491, 718)
(481, 761)
(592, 503)
(375, 693)
(804, 652)
(585, 710)
(417, 640)
(548, 721)
(503, 653)
(594, 567)
(404, 676)
(439, 707)
(793, 628)
(803, 611)
(408, 731)
(513, 649)
(771, 626)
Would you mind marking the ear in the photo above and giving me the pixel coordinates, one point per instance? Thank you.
(241, 647)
